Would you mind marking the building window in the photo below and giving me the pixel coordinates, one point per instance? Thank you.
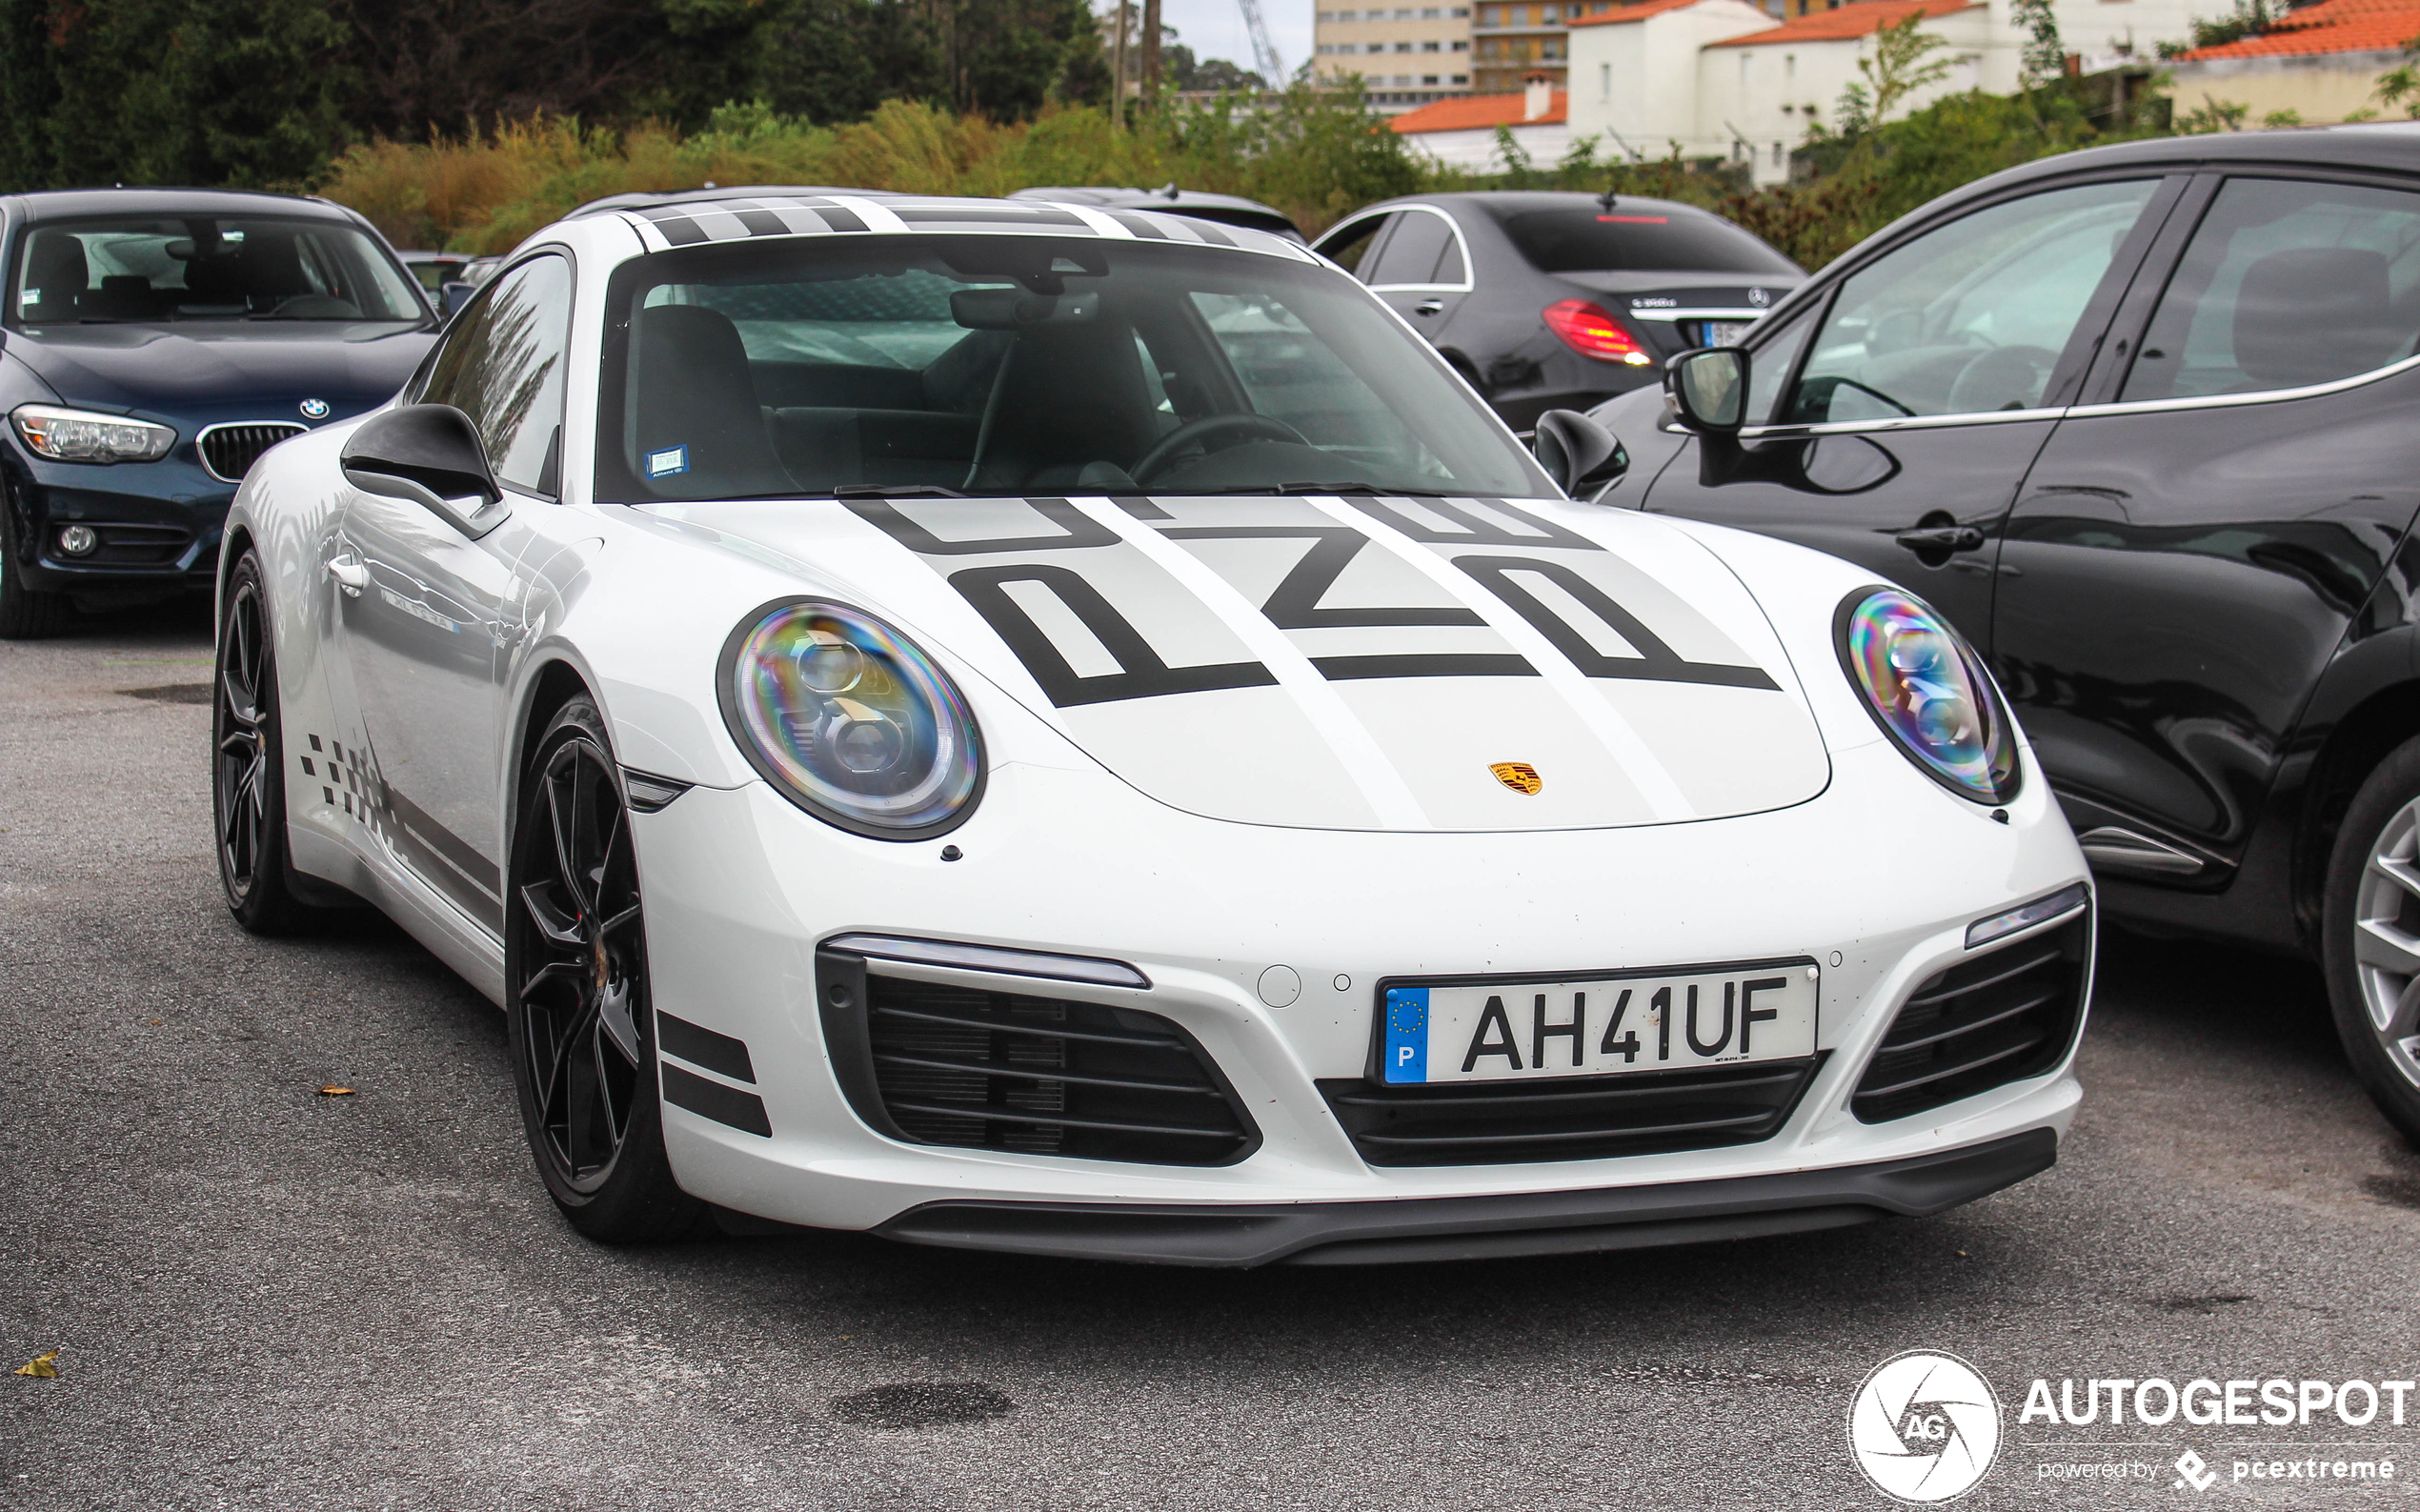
(1604, 81)
(1432, 47)
(1328, 16)
(1461, 46)
(1430, 13)
(1776, 155)
(1378, 47)
(1403, 78)
(1403, 47)
(1326, 48)
(1462, 78)
(1428, 79)
(1461, 12)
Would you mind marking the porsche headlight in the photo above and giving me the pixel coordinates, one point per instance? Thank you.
(1928, 688)
(849, 720)
(75, 435)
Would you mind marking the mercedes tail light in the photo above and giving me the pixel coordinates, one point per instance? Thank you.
(1590, 330)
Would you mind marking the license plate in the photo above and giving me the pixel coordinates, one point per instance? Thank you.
(1724, 332)
(1604, 1026)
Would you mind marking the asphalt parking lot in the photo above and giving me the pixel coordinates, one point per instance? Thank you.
(264, 1297)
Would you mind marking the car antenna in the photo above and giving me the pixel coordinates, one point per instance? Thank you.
(1606, 199)
(1170, 190)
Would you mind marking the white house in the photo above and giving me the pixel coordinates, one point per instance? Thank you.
(1462, 133)
(1720, 78)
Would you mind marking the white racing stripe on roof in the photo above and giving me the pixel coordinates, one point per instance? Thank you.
(1358, 750)
(1103, 225)
(1630, 749)
(876, 218)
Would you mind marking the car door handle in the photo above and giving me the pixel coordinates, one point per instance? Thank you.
(350, 574)
(1941, 538)
(1428, 307)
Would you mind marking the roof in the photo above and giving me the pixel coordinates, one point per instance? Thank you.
(666, 221)
(1232, 209)
(1479, 113)
(1859, 18)
(60, 204)
(1636, 10)
(2332, 26)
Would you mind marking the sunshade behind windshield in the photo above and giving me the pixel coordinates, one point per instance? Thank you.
(159, 268)
(1013, 364)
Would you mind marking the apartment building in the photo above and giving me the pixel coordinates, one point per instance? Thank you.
(1512, 42)
(1406, 55)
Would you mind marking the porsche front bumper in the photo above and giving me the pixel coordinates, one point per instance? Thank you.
(743, 890)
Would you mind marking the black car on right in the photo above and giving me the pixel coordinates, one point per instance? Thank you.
(2144, 422)
(1548, 300)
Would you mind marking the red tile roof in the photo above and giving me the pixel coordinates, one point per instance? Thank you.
(1479, 112)
(1636, 10)
(2332, 26)
(1857, 19)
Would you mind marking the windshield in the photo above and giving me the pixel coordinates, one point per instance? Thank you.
(1010, 364)
(159, 268)
(1640, 235)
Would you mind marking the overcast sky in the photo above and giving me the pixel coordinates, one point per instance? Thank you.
(1214, 29)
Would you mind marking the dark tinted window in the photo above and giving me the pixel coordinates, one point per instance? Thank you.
(158, 268)
(1348, 251)
(2286, 283)
(1421, 242)
(502, 365)
(1585, 238)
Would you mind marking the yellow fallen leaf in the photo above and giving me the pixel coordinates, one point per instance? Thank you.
(46, 1365)
(335, 1092)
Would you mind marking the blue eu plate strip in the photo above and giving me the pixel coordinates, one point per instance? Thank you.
(1406, 1052)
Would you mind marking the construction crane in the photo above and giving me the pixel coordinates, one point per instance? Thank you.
(1264, 53)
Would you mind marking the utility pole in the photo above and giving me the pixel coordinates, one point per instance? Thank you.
(1151, 54)
(1117, 73)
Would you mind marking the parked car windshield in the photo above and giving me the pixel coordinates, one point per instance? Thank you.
(1008, 364)
(161, 267)
(1628, 236)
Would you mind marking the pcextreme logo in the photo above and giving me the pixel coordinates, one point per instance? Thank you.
(1925, 1427)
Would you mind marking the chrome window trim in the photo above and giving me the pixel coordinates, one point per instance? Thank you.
(1462, 244)
(1902, 422)
(2216, 401)
(291, 427)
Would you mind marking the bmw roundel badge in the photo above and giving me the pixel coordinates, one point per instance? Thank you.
(314, 409)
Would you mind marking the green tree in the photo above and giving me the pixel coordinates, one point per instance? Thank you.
(2046, 56)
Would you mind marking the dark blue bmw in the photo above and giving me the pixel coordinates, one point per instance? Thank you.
(154, 343)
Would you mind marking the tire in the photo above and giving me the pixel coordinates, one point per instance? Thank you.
(25, 613)
(2370, 936)
(582, 1024)
(248, 761)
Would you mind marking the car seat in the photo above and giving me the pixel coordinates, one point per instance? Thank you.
(2314, 314)
(57, 273)
(697, 431)
(1068, 395)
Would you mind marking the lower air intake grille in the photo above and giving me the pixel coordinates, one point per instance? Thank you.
(935, 1064)
(2004, 1016)
(229, 450)
(1490, 1124)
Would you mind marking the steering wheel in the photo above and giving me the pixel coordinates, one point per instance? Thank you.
(2002, 378)
(1242, 427)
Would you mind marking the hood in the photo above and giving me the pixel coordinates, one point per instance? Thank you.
(1344, 663)
(206, 370)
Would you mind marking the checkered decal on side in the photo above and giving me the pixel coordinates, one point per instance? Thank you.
(663, 227)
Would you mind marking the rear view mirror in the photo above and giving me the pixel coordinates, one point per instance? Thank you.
(1577, 453)
(1709, 388)
(429, 454)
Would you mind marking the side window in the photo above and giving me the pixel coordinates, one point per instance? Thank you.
(2286, 283)
(1969, 317)
(1350, 252)
(1769, 365)
(1413, 253)
(502, 365)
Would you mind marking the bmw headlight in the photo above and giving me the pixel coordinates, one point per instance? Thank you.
(1928, 688)
(849, 720)
(76, 436)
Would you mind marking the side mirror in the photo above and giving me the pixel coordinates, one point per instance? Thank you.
(1707, 390)
(429, 454)
(452, 295)
(1577, 453)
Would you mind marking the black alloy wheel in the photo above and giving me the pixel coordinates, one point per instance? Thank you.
(575, 966)
(2370, 936)
(248, 784)
(24, 615)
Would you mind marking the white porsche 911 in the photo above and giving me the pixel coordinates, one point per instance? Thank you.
(1071, 731)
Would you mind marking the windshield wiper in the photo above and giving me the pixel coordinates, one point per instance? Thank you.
(896, 490)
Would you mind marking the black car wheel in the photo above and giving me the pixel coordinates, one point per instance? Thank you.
(2372, 936)
(575, 966)
(25, 613)
(247, 782)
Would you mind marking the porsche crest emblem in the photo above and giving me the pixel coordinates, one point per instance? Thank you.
(1518, 776)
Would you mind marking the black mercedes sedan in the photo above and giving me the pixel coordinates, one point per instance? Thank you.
(2141, 421)
(1550, 301)
(154, 343)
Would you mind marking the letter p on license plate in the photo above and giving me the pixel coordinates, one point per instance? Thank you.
(1506, 1031)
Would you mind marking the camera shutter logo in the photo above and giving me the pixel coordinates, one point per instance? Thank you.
(1925, 1427)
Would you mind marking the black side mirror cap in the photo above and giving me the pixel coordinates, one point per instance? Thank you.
(429, 454)
(1706, 389)
(1577, 453)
